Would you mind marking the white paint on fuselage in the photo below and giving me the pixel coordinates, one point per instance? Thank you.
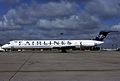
(49, 43)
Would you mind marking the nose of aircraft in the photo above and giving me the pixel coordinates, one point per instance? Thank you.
(6, 46)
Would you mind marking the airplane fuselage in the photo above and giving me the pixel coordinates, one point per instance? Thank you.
(50, 43)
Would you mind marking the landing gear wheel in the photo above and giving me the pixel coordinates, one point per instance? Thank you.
(63, 51)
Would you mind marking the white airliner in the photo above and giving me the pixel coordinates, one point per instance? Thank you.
(56, 44)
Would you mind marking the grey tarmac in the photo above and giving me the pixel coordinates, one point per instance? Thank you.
(56, 66)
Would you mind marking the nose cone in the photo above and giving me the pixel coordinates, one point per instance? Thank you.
(6, 46)
(1, 50)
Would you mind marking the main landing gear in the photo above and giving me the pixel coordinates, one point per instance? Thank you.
(63, 51)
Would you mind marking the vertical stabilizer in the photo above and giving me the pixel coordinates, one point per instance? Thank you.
(102, 35)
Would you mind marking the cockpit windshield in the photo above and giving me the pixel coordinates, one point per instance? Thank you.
(8, 43)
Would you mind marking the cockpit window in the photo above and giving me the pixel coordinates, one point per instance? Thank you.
(8, 43)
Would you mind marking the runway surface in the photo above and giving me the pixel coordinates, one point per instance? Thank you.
(55, 66)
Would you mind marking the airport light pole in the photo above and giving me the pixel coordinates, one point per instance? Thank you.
(61, 35)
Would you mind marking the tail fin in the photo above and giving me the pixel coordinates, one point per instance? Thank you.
(102, 35)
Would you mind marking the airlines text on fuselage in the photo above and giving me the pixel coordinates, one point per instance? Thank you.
(45, 43)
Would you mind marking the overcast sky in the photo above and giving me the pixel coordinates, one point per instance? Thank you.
(47, 19)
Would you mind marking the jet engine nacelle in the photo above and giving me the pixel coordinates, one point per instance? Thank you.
(87, 44)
